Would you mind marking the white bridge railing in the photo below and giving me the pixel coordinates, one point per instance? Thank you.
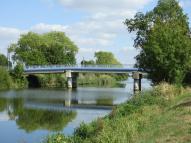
(77, 66)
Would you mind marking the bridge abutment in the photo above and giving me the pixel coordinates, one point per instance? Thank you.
(71, 79)
(137, 76)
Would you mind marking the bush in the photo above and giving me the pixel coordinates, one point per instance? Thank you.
(57, 138)
(19, 81)
(5, 79)
(84, 131)
(18, 71)
(52, 80)
(167, 91)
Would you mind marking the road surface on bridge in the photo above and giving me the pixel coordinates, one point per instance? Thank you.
(80, 68)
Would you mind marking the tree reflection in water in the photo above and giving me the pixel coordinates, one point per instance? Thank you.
(3, 104)
(35, 119)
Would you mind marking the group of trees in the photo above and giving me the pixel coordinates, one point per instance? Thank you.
(163, 35)
(102, 58)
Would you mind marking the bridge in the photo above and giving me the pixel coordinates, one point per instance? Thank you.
(73, 70)
(80, 68)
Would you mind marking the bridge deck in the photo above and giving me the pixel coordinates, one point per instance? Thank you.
(96, 69)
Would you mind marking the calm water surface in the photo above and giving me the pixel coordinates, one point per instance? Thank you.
(26, 116)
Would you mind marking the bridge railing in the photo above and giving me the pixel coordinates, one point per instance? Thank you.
(77, 66)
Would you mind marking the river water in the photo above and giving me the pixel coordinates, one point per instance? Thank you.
(26, 116)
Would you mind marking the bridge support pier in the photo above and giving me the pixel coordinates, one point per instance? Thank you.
(67, 102)
(137, 76)
(71, 79)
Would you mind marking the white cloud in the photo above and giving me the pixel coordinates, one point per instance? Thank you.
(42, 28)
(104, 5)
(9, 33)
(8, 36)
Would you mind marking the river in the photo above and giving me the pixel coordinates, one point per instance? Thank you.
(26, 116)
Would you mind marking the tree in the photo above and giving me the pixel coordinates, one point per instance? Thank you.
(90, 62)
(106, 58)
(18, 71)
(3, 60)
(60, 49)
(44, 49)
(163, 36)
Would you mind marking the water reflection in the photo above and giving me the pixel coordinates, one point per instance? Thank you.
(36, 111)
(35, 119)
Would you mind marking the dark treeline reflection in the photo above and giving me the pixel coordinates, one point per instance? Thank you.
(35, 119)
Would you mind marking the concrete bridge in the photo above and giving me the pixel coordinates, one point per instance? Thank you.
(72, 71)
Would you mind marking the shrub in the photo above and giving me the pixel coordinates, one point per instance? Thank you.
(167, 91)
(57, 138)
(5, 79)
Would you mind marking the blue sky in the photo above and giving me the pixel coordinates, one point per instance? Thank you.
(92, 25)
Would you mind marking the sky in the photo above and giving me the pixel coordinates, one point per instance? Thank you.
(93, 25)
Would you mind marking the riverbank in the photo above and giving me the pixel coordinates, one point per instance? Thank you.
(160, 115)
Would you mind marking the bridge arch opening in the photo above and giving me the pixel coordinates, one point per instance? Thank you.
(33, 81)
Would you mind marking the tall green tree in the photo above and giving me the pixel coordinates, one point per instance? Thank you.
(106, 58)
(163, 35)
(40, 49)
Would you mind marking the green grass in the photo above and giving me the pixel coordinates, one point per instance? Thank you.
(157, 116)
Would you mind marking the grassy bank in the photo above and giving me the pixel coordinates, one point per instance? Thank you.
(160, 115)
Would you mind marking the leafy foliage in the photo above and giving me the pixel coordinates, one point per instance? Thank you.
(106, 58)
(102, 58)
(163, 36)
(5, 79)
(18, 71)
(3, 60)
(35, 119)
(90, 62)
(44, 49)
